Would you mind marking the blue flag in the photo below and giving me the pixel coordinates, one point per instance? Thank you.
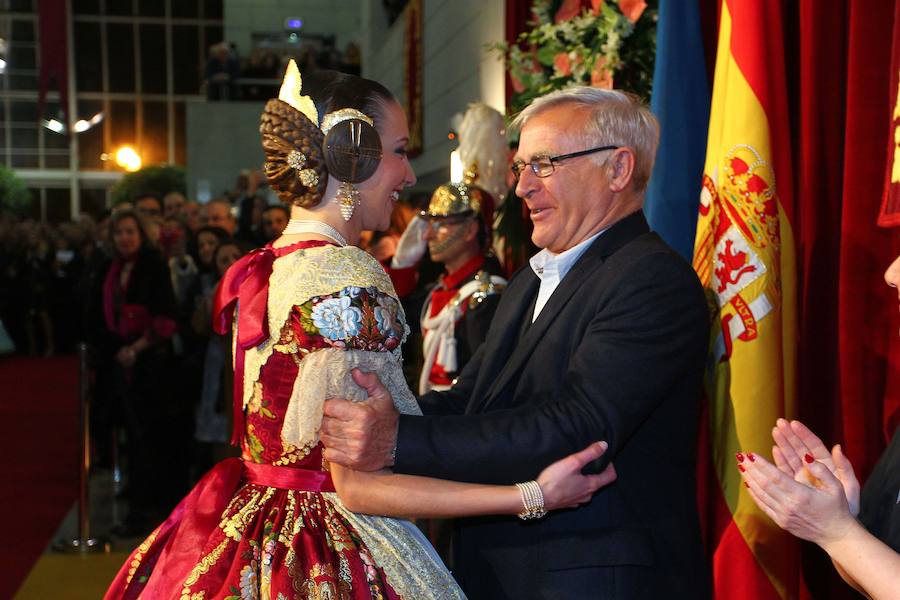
(681, 103)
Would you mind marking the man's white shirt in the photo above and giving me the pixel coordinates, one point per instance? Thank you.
(551, 268)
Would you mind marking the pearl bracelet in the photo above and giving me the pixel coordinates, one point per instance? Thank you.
(532, 500)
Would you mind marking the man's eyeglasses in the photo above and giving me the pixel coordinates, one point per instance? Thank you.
(543, 166)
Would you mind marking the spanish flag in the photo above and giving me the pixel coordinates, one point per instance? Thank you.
(744, 256)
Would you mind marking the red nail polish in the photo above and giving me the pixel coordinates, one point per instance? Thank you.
(751, 457)
(746, 485)
(808, 458)
(739, 457)
(741, 468)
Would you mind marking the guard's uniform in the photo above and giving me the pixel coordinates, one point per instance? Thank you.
(455, 319)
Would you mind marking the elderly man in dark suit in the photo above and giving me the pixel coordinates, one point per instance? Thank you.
(604, 336)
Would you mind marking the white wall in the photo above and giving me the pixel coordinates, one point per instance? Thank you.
(222, 140)
(338, 17)
(457, 69)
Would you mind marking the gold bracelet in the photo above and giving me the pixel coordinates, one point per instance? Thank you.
(532, 500)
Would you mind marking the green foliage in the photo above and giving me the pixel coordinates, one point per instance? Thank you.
(157, 179)
(14, 195)
(601, 50)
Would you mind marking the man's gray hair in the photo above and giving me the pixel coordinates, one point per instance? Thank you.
(617, 118)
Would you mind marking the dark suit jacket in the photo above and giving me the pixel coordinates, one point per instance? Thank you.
(616, 354)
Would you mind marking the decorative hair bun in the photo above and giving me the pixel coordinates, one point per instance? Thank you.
(352, 150)
(301, 152)
(293, 146)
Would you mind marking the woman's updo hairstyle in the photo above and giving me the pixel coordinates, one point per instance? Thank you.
(301, 155)
(290, 138)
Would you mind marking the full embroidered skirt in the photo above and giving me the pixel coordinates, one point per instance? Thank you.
(234, 540)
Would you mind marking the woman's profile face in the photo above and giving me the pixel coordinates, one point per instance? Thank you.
(379, 193)
(206, 247)
(126, 237)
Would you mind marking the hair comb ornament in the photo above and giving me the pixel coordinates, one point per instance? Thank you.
(341, 115)
(290, 93)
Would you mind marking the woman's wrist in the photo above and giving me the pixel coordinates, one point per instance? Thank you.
(532, 501)
(843, 532)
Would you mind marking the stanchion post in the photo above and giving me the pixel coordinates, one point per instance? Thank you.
(84, 542)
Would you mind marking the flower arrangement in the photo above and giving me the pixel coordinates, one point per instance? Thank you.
(583, 42)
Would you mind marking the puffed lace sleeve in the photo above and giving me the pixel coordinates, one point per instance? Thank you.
(362, 328)
(343, 298)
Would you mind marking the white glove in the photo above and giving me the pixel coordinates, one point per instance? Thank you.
(412, 244)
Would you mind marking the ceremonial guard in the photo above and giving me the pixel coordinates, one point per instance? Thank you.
(458, 310)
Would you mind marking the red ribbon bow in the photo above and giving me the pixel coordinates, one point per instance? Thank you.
(245, 284)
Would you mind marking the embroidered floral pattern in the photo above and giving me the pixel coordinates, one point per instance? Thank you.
(336, 319)
(355, 317)
(248, 582)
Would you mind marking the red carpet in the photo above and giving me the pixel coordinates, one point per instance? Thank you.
(39, 430)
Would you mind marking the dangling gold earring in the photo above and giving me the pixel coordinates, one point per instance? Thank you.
(348, 199)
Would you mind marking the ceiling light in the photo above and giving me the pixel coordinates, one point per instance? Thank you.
(54, 125)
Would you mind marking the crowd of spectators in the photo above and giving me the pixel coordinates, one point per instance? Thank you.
(229, 76)
(137, 283)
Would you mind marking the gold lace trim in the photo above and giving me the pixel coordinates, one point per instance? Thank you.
(203, 566)
(139, 555)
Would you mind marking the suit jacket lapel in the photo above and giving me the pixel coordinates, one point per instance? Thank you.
(578, 276)
(514, 304)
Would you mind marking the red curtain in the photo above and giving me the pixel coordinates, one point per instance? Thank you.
(838, 64)
(518, 13)
(865, 305)
(53, 52)
(412, 76)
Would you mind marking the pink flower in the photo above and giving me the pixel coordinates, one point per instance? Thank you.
(516, 84)
(562, 64)
(568, 10)
(600, 76)
(632, 9)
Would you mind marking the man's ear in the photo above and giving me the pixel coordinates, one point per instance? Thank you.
(620, 168)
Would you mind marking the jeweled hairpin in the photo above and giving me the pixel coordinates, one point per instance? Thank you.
(296, 160)
(308, 177)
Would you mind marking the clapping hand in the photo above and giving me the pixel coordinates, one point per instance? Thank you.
(811, 506)
(794, 440)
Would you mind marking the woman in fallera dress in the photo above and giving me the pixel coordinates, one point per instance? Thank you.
(311, 313)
